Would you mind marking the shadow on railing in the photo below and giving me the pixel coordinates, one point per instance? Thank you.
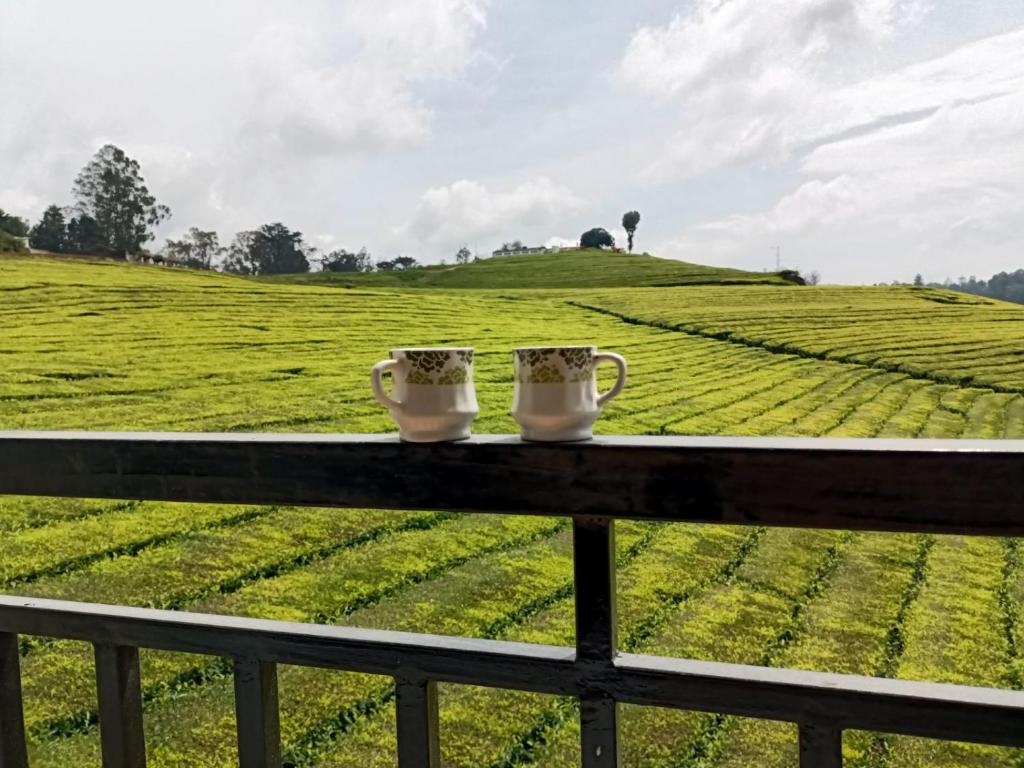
(966, 487)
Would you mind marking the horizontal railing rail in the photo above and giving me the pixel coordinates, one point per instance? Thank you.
(966, 487)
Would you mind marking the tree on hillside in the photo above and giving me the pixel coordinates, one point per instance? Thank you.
(629, 221)
(597, 237)
(512, 245)
(918, 280)
(405, 262)
(241, 255)
(13, 225)
(197, 249)
(50, 234)
(84, 236)
(111, 190)
(462, 256)
(273, 249)
(280, 250)
(341, 260)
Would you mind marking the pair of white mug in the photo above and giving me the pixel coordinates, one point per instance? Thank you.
(555, 397)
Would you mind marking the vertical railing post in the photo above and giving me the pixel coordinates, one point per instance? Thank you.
(119, 690)
(418, 732)
(12, 719)
(594, 573)
(820, 746)
(257, 713)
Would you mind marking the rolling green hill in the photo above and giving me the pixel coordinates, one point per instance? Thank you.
(582, 268)
(91, 345)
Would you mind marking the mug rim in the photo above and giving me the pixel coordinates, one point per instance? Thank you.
(556, 346)
(431, 349)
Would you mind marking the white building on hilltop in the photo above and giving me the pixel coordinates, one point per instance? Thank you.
(526, 250)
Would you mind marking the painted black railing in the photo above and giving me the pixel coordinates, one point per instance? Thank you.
(964, 487)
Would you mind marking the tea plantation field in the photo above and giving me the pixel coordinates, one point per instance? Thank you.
(103, 346)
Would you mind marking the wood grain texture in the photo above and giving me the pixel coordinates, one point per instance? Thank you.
(942, 486)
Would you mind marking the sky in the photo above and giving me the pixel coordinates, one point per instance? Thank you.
(867, 140)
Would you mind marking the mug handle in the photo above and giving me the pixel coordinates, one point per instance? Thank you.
(378, 386)
(620, 363)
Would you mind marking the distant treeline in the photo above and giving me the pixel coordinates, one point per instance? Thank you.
(1008, 286)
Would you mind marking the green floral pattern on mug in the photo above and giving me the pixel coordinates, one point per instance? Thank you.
(438, 366)
(555, 365)
(416, 376)
(457, 375)
(544, 374)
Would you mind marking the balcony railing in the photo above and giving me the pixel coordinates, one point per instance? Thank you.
(963, 487)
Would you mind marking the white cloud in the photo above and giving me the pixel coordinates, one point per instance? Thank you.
(239, 112)
(468, 211)
(942, 193)
(919, 165)
(351, 86)
(750, 77)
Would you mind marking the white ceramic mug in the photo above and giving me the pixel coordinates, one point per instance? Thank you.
(433, 398)
(556, 394)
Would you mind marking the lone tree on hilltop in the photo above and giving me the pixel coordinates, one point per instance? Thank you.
(629, 221)
(111, 190)
(598, 237)
(50, 234)
(462, 256)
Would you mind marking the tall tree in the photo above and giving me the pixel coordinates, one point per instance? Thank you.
(13, 225)
(273, 249)
(197, 249)
(629, 221)
(111, 190)
(341, 260)
(84, 236)
(50, 234)
(462, 256)
(241, 258)
(598, 237)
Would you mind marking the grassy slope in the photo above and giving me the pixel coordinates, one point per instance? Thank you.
(587, 268)
(107, 346)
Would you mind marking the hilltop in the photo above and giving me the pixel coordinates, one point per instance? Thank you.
(580, 268)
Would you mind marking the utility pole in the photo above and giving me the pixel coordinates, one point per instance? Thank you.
(778, 259)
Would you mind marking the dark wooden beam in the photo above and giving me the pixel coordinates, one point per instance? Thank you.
(522, 666)
(593, 544)
(820, 747)
(12, 719)
(942, 486)
(842, 702)
(419, 744)
(257, 713)
(119, 690)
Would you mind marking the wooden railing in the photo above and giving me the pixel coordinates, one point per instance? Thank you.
(963, 487)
